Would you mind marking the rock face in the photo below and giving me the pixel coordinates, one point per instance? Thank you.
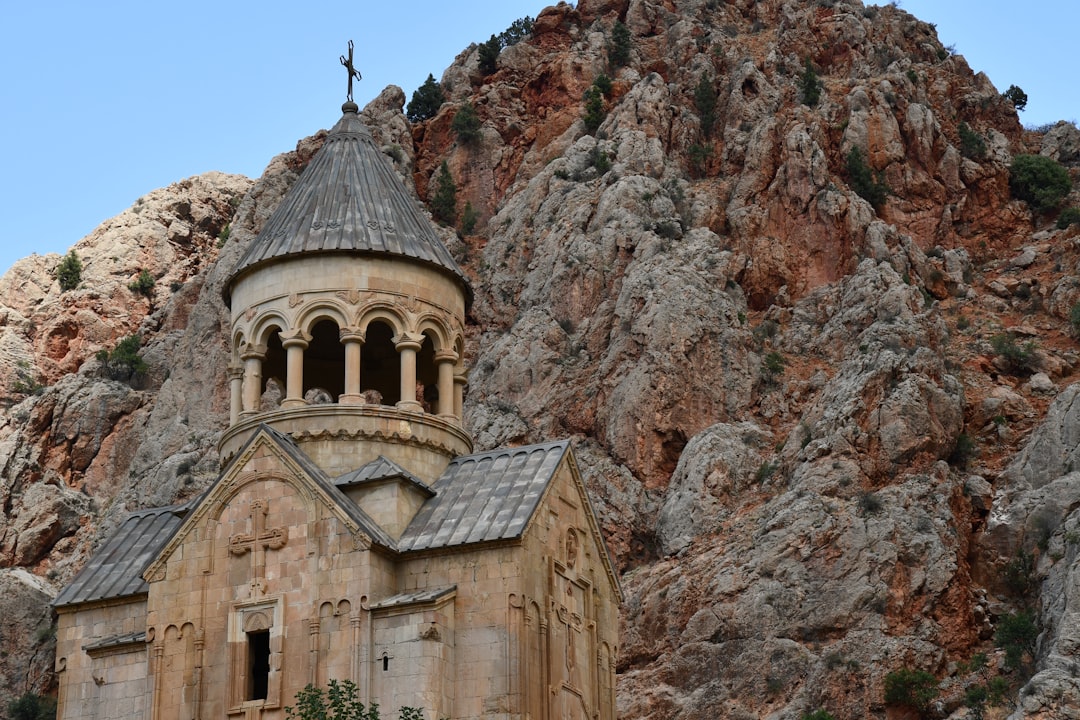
(816, 456)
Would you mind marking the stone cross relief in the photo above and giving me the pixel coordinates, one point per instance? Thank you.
(260, 540)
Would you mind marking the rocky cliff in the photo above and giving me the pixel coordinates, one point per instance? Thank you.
(829, 440)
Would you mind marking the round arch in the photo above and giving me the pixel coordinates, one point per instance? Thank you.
(319, 311)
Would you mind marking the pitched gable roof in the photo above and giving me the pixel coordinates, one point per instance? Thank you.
(484, 497)
(381, 468)
(115, 570)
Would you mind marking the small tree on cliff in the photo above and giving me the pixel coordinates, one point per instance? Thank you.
(489, 54)
(69, 271)
(444, 199)
(340, 701)
(426, 101)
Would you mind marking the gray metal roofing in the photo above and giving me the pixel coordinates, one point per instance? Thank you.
(484, 497)
(479, 498)
(414, 597)
(115, 571)
(349, 199)
(381, 468)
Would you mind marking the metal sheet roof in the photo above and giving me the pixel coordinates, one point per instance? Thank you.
(381, 468)
(115, 571)
(348, 199)
(484, 497)
(414, 598)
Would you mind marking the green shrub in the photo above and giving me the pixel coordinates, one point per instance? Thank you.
(1017, 634)
(488, 54)
(866, 183)
(809, 85)
(340, 701)
(69, 271)
(466, 124)
(1017, 97)
(963, 452)
(765, 471)
(705, 101)
(599, 159)
(469, 216)
(1019, 359)
(772, 366)
(972, 145)
(619, 46)
(426, 101)
(1018, 574)
(31, 706)
(444, 199)
(603, 83)
(699, 157)
(1069, 216)
(223, 236)
(997, 689)
(818, 715)
(1039, 181)
(594, 109)
(911, 688)
(143, 284)
(123, 361)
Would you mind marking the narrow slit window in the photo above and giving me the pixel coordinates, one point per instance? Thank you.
(385, 662)
(258, 664)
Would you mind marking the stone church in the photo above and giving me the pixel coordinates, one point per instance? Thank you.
(352, 533)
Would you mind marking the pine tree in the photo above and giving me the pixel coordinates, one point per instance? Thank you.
(426, 101)
(444, 201)
(466, 124)
(489, 53)
(69, 271)
(705, 100)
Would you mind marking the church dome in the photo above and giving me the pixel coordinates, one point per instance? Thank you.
(348, 200)
(348, 318)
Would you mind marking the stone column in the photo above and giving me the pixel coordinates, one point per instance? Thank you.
(407, 345)
(253, 356)
(461, 380)
(353, 340)
(446, 359)
(236, 392)
(295, 343)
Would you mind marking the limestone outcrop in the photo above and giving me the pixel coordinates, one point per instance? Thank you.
(827, 438)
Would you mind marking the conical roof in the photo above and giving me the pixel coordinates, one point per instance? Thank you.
(348, 200)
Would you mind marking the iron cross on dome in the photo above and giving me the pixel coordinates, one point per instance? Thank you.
(353, 72)
(258, 542)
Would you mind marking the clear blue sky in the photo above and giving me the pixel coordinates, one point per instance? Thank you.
(105, 101)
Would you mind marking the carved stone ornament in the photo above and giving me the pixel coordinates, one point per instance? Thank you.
(249, 314)
(351, 296)
(295, 299)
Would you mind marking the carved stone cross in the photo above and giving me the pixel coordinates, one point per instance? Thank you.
(353, 72)
(257, 542)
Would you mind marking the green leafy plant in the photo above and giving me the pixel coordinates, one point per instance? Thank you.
(340, 701)
(31, 706)
(699, 157)
(1069, 216)
(594, 108)
(818, 715)
(123, 361)
(870, 503)
(772, 366)
(466, 124)
(765, 471)
(469, 217)
(426, 101)
(705, 101)
(69, 271)
(25, 382)
(963, 452)
(809, 85)
(866, 183)
(1039, 181)
(223, 236)
(1019, 358)
(599, 159)
(444, 199)
(915, 689)
(1018, 574)
(488, 54)
(997, 689)
(603, 82)
(1017, 97)
(972, 145)
(1017, 634)
(619, 46)
(975, 698)
(143, 284)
